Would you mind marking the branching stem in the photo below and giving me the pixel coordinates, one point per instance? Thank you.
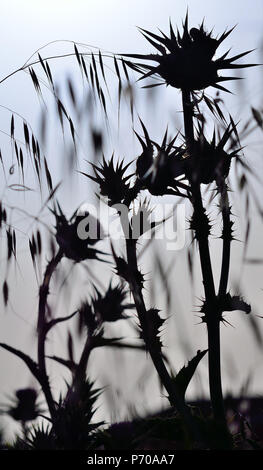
(155, 353)
(41, 328)
(213, 318)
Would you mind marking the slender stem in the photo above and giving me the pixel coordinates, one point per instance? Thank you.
(24, 430)
(188, 118)
(41, 327)
(80, 372)
(173, 394)
(213, 319)
(227, 237)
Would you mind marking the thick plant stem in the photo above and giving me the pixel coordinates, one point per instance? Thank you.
(212, 316)
(41, 327)
(214, 364)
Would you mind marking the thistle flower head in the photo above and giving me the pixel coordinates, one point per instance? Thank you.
(112, 181)
(76, 236)
(107, 307)
(130, 273)
(87, 318)
(186, 61)
(110, 306)
(210, 161)
(159, 165)
(25, 408)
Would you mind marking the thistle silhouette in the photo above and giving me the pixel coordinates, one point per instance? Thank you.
(181, 166)
(186, 61)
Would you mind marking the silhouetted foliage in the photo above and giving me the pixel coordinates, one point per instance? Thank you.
(184, 166)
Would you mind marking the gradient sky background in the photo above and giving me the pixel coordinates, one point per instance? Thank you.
(111, 25)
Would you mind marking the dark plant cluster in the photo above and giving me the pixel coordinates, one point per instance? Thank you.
(184, 166)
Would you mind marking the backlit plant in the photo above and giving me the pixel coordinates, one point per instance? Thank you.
(183, 166)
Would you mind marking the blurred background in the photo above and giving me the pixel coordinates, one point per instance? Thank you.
(51, 29)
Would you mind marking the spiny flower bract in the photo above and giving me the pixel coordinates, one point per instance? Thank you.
(25, 408)
(158, 173)
(186, 61)
(110, 307)
(40, 438)
(68, 238)
(210, 162)
(87, 318)
(113, 184)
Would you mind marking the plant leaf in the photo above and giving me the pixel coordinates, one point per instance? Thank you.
(185, 375)
(32, 365)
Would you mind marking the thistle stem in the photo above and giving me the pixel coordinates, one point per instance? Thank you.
(80, 373)
(213, 319)
(225, 266)
(155, 354)
(41, 327)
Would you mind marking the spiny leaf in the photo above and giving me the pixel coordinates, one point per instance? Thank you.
(27, 359)
(67, 363)
(55, 321)
(185, 375)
